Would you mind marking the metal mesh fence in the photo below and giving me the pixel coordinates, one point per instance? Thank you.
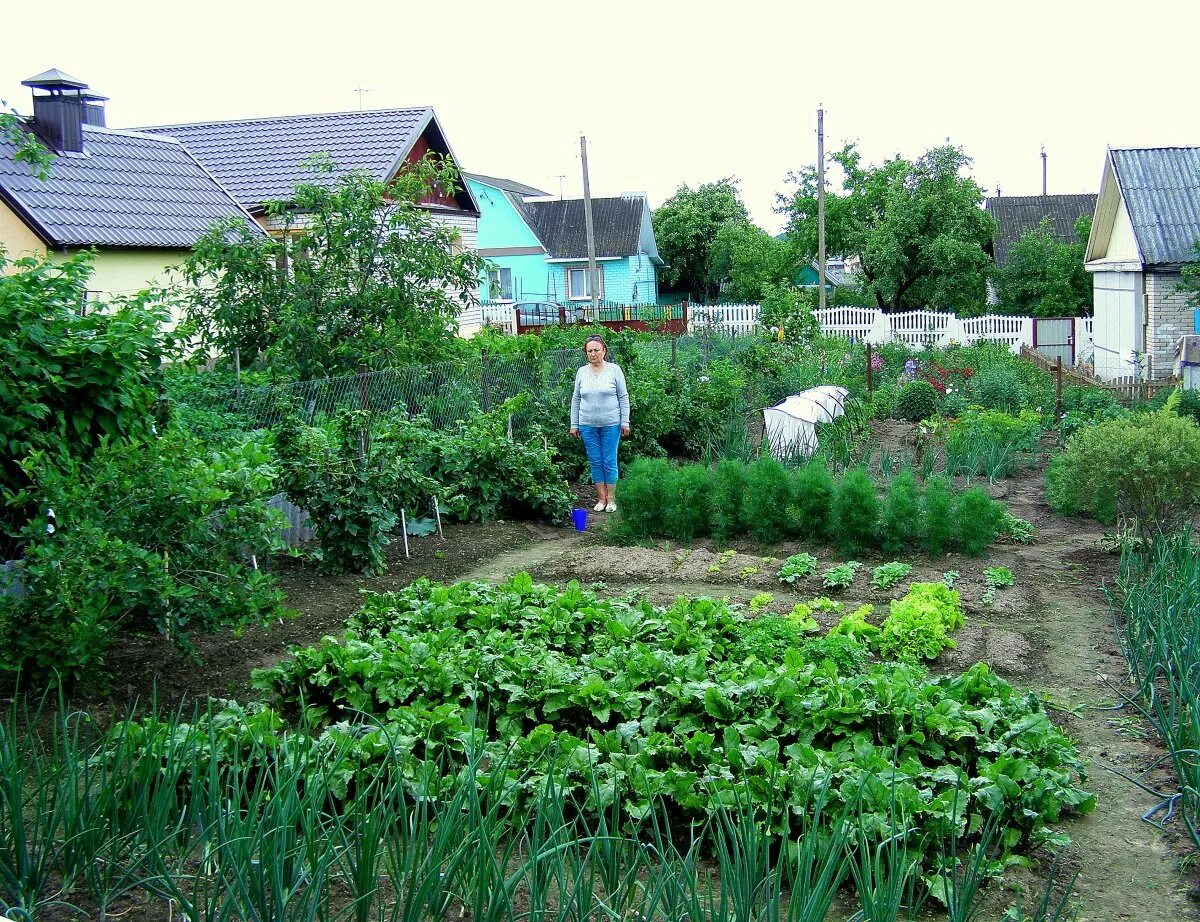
(451, 391)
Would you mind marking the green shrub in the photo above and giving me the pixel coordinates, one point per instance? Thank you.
(918, 626)
(917, 401)
(687, 505)
(150, 536)
(953, 406)
(1143, 467)
(855, 512)
(768, 499)
(645, 490)
(728, 492)
(979, 517)
(68, 383)
(997, 389)
(349, 496)
(938, 526)
(812, 495)
(901, 522)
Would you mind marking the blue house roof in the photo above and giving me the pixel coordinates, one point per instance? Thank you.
(261, 159)
(126, 189)
(1161, 189)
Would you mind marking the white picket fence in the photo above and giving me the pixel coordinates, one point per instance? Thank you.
(914, 328)
(475, 318)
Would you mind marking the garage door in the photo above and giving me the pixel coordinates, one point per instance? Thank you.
(1116, 329)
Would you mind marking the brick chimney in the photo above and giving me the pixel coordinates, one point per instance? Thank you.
(61, 107)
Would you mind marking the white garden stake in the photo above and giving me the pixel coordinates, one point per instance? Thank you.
(437, 512)
(404, 531)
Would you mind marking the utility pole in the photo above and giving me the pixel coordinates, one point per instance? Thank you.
(561, 177)
(1043, 169)
(821, 204)
(593, 275)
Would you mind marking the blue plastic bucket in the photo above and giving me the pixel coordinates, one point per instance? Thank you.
(579, 517)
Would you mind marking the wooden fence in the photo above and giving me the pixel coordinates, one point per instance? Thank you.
(1127, 388)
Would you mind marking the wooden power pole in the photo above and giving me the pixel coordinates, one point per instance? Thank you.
(821, 204)
(593, 274)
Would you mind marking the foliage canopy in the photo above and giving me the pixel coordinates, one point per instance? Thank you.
(361, 273)
(915, 226)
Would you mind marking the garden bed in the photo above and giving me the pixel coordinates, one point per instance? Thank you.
(1050, 633)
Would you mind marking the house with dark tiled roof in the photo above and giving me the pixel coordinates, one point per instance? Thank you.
(261, 160)
(140, 201)
(537, 245)
(1145, 229)
(1017, 215)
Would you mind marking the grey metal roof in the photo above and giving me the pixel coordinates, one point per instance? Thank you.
(260, 160)
(55, 78)
(1016, 215)
(505, 185)
(1161, 189)
(559, 225)
(125, 190)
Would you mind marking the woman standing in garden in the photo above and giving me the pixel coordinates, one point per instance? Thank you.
(600, 416)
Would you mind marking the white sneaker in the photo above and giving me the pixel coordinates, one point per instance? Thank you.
(599, 507)
(611, 507)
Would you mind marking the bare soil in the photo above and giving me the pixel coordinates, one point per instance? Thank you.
(1051, 633)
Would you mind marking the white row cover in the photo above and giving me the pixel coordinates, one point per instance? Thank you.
(791, 425)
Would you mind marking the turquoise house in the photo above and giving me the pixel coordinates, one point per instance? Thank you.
(536, 245)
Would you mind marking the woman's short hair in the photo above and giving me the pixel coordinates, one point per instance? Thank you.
(595, 338)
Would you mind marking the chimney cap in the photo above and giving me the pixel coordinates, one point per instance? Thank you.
(54, 79)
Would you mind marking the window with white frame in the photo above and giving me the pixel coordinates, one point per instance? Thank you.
(500, 286)
(577, 283)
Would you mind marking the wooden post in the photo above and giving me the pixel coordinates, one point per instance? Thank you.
(1058, 411)
(237, 370)
(589, 228)
(674, 343)
(870, 372)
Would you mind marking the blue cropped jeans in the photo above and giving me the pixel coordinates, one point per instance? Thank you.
(601, 443)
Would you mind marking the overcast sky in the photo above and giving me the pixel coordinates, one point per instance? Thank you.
(666, 92)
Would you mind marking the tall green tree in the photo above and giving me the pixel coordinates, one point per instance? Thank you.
(915, 227)
(686, 226)
(360, 274)
(1044, 276)
(748, 261)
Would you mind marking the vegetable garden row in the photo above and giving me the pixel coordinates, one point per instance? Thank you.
(513, 749)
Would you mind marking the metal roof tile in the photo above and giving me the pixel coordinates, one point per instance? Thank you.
(1161, 189)
(128, 190)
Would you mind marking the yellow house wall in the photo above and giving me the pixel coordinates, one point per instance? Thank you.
(126, 272)
(16, 239)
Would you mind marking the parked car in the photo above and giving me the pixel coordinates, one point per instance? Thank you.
(547, 313)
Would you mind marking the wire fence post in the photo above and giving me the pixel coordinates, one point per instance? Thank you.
(364, 404)
(674, 344)
(1058, 389)
(237, 371)
(485, 397)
